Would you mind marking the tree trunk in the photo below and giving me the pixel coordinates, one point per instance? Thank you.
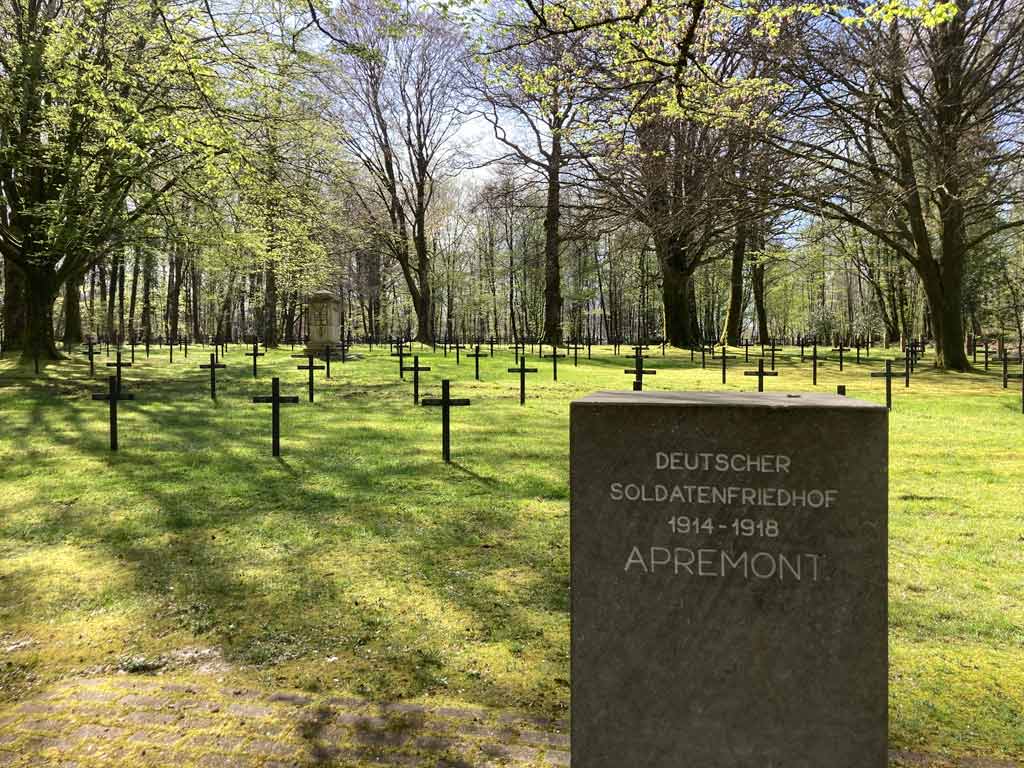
(72, 314)
(133, 298)
(42, 290)
(270, 336)
(120, 297)
(197, 284)
(147, 298)
(552, 245)
(944, 292)
(677, 292)
(734, 315)
(15, 306)
(173, 296)
(757, 279)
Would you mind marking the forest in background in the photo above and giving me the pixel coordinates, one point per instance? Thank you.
(688, 171)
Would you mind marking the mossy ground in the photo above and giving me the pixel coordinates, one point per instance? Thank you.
(358, 563)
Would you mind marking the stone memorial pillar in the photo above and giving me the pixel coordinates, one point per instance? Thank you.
(323, 322)
(729, 581)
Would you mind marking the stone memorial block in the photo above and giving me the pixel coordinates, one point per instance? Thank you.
(729, 581)
(324, 321)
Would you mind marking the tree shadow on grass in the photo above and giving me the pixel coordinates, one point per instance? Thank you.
(193, 481)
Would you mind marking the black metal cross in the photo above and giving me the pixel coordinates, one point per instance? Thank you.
(522, 370)
(311, 367)
(458, 346)
(476, 355)
(773, 349)
(815, 363)
(327, 360)
(725, 358)
(519, 347)
(170, 350)
(638, 371)
(92, 354)
(112, 396)
(888, 374)
(908, 368)
(275, 399)
(213, 366)
(554, 360)
(446, 403)
(416, 368)
(118, 365)
(841, 349)
(761, 373)
(255, 355)
(398, 350)
(1006, 369)
(988, 354)
(575, 348)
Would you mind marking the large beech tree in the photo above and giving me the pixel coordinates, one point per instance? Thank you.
(104, 108)
(911, 134)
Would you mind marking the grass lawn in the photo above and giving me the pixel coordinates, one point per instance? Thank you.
(359, 563)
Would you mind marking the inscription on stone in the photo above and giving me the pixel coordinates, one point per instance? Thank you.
(729, 581)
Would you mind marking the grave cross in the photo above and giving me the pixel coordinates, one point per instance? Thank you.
(91, 353)
(725, 360)
(458, 346)
(312, 368)
(327, 360)
(446, 403)
(1006, 369)
(476, 355)
(638, 371)
(888, 375)
(518, 346)
(112, 396)
(398, 350)
(255, 355)
(761, 373)
(575, 347)
(416, 368)
(773, 349)
(908, 368)
(213, 366)
(554, 359)
(132, 345)
(118, 365)
(815, 363)
(522, 370)
(275, 399)
(988, 353)
(841, 349)
(170, 350)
